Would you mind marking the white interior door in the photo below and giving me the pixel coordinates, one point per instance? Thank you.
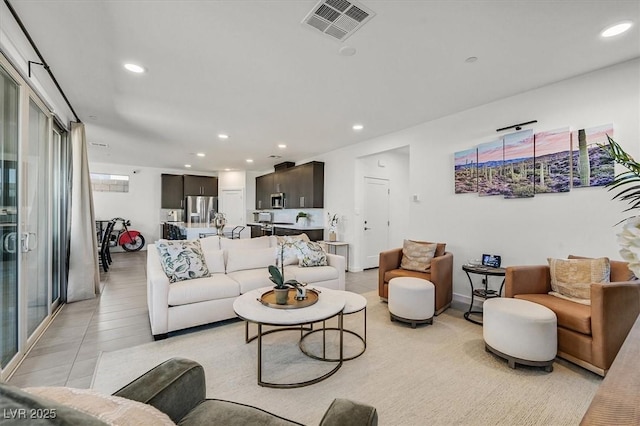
(375, 220)
(232, 205)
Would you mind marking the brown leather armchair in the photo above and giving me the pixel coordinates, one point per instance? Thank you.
(589, 336)
(440, 275)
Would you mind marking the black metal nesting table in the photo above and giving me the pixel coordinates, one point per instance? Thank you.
(483, 292)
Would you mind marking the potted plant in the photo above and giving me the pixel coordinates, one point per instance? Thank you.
(304, 216)
(333, 223)
(281, 287)
(629, 238)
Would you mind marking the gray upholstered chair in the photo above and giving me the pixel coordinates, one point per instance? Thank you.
(177, 388)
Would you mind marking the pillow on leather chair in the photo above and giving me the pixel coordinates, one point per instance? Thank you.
(572, 278)
(416, 256)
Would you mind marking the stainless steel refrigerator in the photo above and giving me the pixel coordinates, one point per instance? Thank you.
(200, 209)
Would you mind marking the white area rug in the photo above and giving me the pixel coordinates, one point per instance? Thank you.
(438, 374)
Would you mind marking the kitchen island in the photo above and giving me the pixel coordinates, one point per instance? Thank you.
(194, 231)
(315, 233)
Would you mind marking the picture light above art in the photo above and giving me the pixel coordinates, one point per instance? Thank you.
(524, 163)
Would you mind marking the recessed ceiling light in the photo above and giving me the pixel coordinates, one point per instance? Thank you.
(223, 136)
(187, 165)
(134, 68)
(282, 146)
(616, 29)
(227, 170)
(347, 51)
(358, 127)
(249, 160)
(200, 154)
(471, 59)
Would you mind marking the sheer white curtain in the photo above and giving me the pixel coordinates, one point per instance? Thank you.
(84, 276)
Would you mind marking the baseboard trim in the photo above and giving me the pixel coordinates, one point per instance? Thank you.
(466, 300)
(584, 364)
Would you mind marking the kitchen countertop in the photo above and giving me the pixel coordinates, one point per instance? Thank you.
(189, 225)
(288, 226)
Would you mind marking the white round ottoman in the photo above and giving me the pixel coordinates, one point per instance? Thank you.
(520, 331)
(411, 300)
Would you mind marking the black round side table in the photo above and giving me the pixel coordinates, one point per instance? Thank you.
(482, 292)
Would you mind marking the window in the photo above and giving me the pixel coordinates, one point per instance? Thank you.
(103, 182)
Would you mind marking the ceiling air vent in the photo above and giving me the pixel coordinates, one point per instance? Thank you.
(338, 19)
(99, 145)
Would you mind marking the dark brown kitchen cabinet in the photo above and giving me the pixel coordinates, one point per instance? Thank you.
(286, 183)
(200, 185)
(264, 189)
(308, 192)
(172, 196)
(303, 186)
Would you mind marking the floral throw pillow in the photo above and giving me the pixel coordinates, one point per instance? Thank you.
(289, 244)
(311, 254)
(182, 259)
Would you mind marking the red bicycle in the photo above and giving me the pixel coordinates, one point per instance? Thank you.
(129, 239)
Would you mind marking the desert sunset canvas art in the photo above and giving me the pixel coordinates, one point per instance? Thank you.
(591, 165)
(518, 164)
(552, 161)
(490, 177)
(466, 171)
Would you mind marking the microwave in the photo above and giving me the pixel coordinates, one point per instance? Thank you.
(265, 217)
(277, 200)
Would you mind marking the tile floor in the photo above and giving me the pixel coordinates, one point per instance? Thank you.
(67, 352)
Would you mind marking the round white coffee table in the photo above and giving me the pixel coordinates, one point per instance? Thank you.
(249, 308)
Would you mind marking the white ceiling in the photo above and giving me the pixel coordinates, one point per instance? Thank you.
(250, 69)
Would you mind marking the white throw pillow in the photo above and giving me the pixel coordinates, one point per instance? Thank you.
(215, 261)
(210, 243)
(245, 243)
(242, 259)
(182, 259)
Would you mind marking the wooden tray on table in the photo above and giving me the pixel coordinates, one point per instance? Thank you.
(269, 299)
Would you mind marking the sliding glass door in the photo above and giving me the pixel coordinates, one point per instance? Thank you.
(35, 218)
(9, 236)
(34, 202)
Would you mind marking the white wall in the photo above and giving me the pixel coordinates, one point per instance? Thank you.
(232, 180)
(523, 231)
(19, 51)
(141, 205)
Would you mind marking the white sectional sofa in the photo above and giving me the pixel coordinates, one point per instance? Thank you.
(236, 266)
